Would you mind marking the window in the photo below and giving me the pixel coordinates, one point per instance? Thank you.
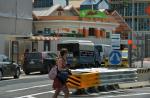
(144, 24)
(34, 46)
(47, 31)
(91, 31)
(46, 45)
(107, 34)
(42, 3)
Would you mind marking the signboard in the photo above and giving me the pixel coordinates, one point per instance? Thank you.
(115, 41)
(115, 57)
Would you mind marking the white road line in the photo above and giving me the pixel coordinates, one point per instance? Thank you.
(28, 88)
(31, 96)
(118, 96)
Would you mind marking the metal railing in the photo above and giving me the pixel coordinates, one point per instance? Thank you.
(84, 79)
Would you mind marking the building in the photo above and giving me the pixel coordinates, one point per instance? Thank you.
(49, 3)
(94, 4)
(134, 13)
(76, 3)
(54, 24)
(15, 23)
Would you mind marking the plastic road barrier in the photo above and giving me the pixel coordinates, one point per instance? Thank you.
(83, 80)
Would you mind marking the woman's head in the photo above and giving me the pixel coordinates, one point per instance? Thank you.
(63, 52)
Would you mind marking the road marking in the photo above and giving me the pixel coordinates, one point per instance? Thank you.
(126, 95)
(28, 88)
(31, 96)
(115, 96)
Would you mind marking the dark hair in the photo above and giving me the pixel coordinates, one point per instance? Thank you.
(63, 51)
(27, 50)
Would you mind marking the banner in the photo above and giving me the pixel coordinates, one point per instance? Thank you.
(92, 14)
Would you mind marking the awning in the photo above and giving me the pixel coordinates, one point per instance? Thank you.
(42, 38)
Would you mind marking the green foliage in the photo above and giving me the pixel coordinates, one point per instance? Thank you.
(92, 14)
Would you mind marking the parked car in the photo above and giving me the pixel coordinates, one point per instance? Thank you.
(8, 67)
(39, 61)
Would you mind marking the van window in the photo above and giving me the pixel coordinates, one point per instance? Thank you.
(86, 53)
(99, 48)
(71, 47)
(107, 50)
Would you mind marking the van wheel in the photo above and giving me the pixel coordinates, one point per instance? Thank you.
(17, 73)
(97, 64)
(1, 75)
(42, 72)
(27, 72)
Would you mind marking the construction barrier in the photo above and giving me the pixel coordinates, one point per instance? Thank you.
(83, 80)
(143, 79)
(87, 81)
(143, 70)
(143, 74)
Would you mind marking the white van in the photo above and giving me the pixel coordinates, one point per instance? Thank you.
(104, 51)
(80, 52)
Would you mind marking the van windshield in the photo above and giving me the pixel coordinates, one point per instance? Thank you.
(71, 47)
(34, 56)
(99, 48)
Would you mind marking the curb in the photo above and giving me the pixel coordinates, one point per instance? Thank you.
(134, 85)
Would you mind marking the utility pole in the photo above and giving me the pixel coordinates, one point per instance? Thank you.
(143, 49)
(130, 36)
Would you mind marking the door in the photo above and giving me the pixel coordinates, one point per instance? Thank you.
(15, 51)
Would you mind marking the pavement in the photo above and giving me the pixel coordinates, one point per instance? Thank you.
(146, 63)
(39, 86)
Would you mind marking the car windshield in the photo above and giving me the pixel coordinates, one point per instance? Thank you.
(34, 56)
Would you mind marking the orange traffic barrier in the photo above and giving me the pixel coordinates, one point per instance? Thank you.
(84, 80)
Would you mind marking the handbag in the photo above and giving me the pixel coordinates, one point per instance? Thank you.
(53, 73)
(63, 75)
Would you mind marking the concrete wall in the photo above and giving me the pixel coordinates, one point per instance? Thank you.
(15, 16)
(15, 20)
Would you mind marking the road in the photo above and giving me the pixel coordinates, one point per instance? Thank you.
(39, 86)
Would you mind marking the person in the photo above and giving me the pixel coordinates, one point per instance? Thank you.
(34, 50)
(26, 54)
(58, 85)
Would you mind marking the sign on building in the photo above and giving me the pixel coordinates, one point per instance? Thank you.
(115, 41)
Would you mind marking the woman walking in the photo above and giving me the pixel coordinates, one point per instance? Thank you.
(58, 85)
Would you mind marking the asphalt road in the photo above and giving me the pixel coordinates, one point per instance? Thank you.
(39, 86)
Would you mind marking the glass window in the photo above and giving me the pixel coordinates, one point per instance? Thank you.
(91, 31)
(42, 3)
(35, 55)
(144, 24)
(107, 34)
(34, 46)
(46, 45)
